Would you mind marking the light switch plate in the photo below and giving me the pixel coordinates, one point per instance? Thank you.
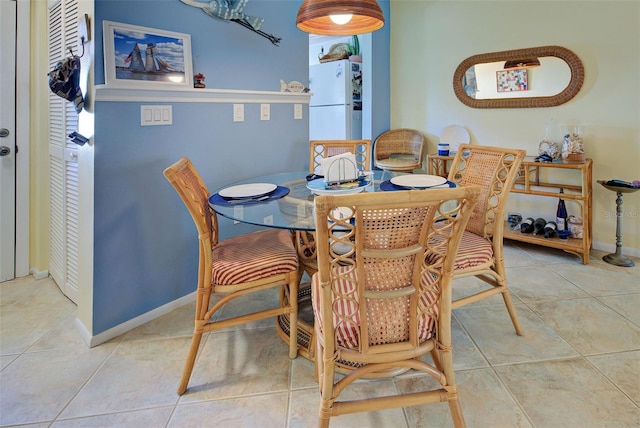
(238, 112)
(151, 115)
(265, 111)
(297, 111)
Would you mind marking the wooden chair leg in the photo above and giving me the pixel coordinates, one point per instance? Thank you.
(456, 413)
(188, 365)
(512, 312)
(293, 318)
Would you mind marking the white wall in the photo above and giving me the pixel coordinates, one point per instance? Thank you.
(436, 36)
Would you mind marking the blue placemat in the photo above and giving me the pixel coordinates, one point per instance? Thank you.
(388, 186)
(216, 199)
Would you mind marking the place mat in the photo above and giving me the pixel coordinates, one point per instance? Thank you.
(388, 186)
(280, 192)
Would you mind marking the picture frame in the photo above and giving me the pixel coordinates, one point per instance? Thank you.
(512, 80)
(128, 50)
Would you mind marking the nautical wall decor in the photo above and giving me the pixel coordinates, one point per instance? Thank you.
(233, 10)
(137, 56)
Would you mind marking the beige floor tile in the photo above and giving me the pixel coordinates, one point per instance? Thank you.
(305, 406)
(515, 256)
(239, 362)
(21, 326)
(568, 393)
(5, 360)
(546, 256)
(63, 336)
(589, 326)
(27, 292)
(37, 386)
(137, 375)
(533, 284)
(268, 411)
(484, 399)
(626, 305)
(465, 353)
(302, 374)
(599, 278)
(177, 323)
(623, 369)
(492, 331)
(157, 417)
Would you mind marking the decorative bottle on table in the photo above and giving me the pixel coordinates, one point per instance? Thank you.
(538, 226)
(550, 229)
(561, 213)
(527, 225)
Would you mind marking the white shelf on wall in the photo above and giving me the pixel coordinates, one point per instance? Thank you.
(181, 95)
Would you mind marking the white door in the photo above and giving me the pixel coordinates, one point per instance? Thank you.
(7, 139)
(330, 83)
(330, 122)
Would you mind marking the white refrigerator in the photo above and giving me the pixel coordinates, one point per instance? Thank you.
(335, 107)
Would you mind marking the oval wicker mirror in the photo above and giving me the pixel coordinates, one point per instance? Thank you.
(576, 79)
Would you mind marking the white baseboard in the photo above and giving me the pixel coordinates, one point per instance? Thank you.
(132, 323)
(611, 248)
(38, 274)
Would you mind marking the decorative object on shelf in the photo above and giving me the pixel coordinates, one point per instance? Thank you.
(572, 145)
(547, 146)
(339, 17)
(233, 10)
(575, 227)
(336, 52)
(619, 187)
(293, 86)
(199, 81)
(354, 49)
(514, 220)
(157, 67)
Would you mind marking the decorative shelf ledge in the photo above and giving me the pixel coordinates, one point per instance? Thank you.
(179, 95)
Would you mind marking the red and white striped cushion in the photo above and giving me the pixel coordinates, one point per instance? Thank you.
(346, 306)
(253, 256)
(474, 250)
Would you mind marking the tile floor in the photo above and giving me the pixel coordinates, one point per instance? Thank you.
(578, 364)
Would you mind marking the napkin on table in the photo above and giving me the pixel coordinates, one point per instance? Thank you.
(339, 168)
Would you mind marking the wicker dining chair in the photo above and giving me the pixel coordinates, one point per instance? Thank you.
(319, 149)
(481, 252)
(399, 150)
(234, 267)
(381, 306)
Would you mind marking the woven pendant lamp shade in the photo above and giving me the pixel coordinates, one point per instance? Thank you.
(313, 17)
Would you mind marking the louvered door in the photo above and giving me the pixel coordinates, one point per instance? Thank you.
(63, 166)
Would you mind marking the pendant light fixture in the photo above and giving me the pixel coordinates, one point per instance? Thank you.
(522, 63)
(339, 17)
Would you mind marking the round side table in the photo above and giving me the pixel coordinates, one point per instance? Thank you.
(618, 258)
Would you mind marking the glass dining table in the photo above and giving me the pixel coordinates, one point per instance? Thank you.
(290, 206)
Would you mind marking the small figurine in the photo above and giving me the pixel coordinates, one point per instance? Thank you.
(199, 78)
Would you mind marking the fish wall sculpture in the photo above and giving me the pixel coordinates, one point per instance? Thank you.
(233, 10)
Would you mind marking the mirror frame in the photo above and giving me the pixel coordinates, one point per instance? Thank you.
(575, 82)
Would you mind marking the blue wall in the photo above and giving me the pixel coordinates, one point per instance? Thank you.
(146, 251)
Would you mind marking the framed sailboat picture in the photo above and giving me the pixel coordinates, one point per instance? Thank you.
(141, 57)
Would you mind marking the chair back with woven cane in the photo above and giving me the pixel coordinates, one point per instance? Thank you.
(379, 304)
(399, 150)
(494, 169)
(319, 149)
(234, 267)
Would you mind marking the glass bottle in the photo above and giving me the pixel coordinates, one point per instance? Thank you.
(561, 213)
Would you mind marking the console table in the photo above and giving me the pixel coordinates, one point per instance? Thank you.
(530, 182)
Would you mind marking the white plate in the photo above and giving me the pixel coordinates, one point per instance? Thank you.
(418, 180)
(247, 190)
(455, 135)
(320, 187)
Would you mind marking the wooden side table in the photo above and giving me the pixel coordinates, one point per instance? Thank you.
(618, 258)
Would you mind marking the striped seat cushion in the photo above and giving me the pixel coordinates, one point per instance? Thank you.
(253, 256)
(473, 251)
(347, 307)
